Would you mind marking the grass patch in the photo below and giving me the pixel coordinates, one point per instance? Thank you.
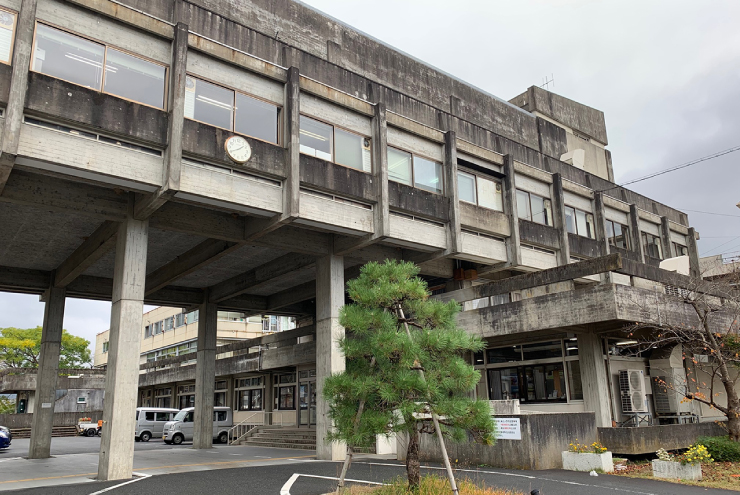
(716, 475)
(430, 485)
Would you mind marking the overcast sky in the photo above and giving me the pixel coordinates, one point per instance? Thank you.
(665, 73)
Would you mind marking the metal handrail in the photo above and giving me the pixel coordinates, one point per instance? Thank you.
(250, 423)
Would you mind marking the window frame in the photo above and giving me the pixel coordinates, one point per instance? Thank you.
(334, 127)
(475, 177)
(233, 111)
(680, 247)
(531, 211)
(645, 245)
(12, 34)
(413, 171)
(613, 238)
(105, 46)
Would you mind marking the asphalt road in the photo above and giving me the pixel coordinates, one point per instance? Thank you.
(313, 478)
(80, 445)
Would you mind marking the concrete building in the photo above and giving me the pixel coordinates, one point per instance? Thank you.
(251, 156)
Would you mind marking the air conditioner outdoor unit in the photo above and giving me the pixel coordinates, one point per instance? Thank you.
(632, 390)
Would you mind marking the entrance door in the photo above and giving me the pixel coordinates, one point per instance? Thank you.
(307, 403)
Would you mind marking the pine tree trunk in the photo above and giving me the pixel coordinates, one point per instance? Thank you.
(413, 469)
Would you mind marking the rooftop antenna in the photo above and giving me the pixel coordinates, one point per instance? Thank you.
(547, 81)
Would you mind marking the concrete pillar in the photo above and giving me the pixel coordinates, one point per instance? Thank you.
(636, 234)
(665, 237)
(205, 376)
(292, 133)
(329, 359)
(594, 378)
(24, 29)
(600, 226)
(513, 245)
(694, 270)
(454, 232)
(122, 377)
(381, 213)
(268, 399)
(558, 213)
(46, 377)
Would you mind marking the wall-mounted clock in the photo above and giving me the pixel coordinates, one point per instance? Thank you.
(238, 149)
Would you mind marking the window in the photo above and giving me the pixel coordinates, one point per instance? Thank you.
(222, 107)
(334, 144)
(286, 398)
(149, 416)
(416, 171)
(77, 60)
(163, 416)
(179, 320)
(533, 208)
(478, 190)
(574, 380)
(105, 347)
(579, 222)
(541, 383)
(192, 317)
(618, 234)
(680, 250)
(652, 245)
(169, 324)
(542, 350)
(7, 35)
(219, 399)
(219, 415)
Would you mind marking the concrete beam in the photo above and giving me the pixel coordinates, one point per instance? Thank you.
(540, 278)
(205, 376)
(242, 283)
(24, 29)
(98, 244)
(558, 213)
(122, 377)
(176, 118)
(46, 377)
(513, 246)
(665, 237)
(636, 234)
(196, 258)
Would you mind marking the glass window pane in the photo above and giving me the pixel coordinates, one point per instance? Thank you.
(466, 187)
(538, 209)
(543, 350)
(352, 150)
(62, 55)
(427, 175)
(522, 205)
(570, 219)
(256, 118)
(620, 236)
(591, 227)
(316, 138)
(399, 166)
(208, 103)
(610, 231)
(256, 399)
(489, 194)
(134, 78)
(581, 223)
(504, 384)
(505, 354)
(7, 20)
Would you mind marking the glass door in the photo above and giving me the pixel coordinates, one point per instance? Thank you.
(307, 403)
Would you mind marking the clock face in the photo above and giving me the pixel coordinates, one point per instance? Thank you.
(238, 149)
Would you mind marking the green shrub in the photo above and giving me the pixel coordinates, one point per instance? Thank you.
(722, 449)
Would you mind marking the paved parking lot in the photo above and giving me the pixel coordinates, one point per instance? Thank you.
(79, 445)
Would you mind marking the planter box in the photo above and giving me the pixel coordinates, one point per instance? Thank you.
(574, 461)
(676, 470)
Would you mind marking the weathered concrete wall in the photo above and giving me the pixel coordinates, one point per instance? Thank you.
(583, 246)
(333, 178)
(649, 439)
(60, 419)
(544, 437)
(417, 201)
(541, 235)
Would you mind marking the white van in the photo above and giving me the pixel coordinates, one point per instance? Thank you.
(181, 428)
(150, 421)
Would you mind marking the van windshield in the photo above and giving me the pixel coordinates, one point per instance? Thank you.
(181, 415)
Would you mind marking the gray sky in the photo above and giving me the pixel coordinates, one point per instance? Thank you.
(665, 73)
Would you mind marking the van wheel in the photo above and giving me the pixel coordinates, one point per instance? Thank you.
(146, 436)
(223, 437)
(177, 439)
(90, 432)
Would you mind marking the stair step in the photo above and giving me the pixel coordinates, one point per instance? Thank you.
(280, 445)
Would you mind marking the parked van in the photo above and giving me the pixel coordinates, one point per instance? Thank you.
(150, 421)
(181, 428)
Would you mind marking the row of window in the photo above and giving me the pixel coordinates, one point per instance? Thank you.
(176, 350)
(480, 191)
(170, 323)
(533, 208)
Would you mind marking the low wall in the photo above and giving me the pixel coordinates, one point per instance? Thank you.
(543, 438)
(15, 421)
(648, 439)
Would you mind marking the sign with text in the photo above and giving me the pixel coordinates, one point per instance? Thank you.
(508, 429)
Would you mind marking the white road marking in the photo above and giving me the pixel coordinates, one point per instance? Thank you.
(140, 476)
(11, 459)
(285, 490)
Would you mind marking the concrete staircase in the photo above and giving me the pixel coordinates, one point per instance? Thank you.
(56, 431)
(283, 438)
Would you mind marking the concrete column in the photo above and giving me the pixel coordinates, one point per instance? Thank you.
(454, 233)
(600, 226)
(665, 237)
(694, 270)
(46, 377)
(329, 359)
(594, 378)
(636, 234)
(292, 133)
(558, 213)
(513, 245)
(381, 213)
(122, 377)
(268, 399)
(205, 376)
(24, 29)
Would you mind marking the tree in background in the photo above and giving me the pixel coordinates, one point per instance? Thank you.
(21, 347)
(7, 404)
(406, 367)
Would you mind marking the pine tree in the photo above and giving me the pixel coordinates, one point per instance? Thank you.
(405, 367)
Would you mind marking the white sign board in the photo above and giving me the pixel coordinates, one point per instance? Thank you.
(508, 429)
(46, 405)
